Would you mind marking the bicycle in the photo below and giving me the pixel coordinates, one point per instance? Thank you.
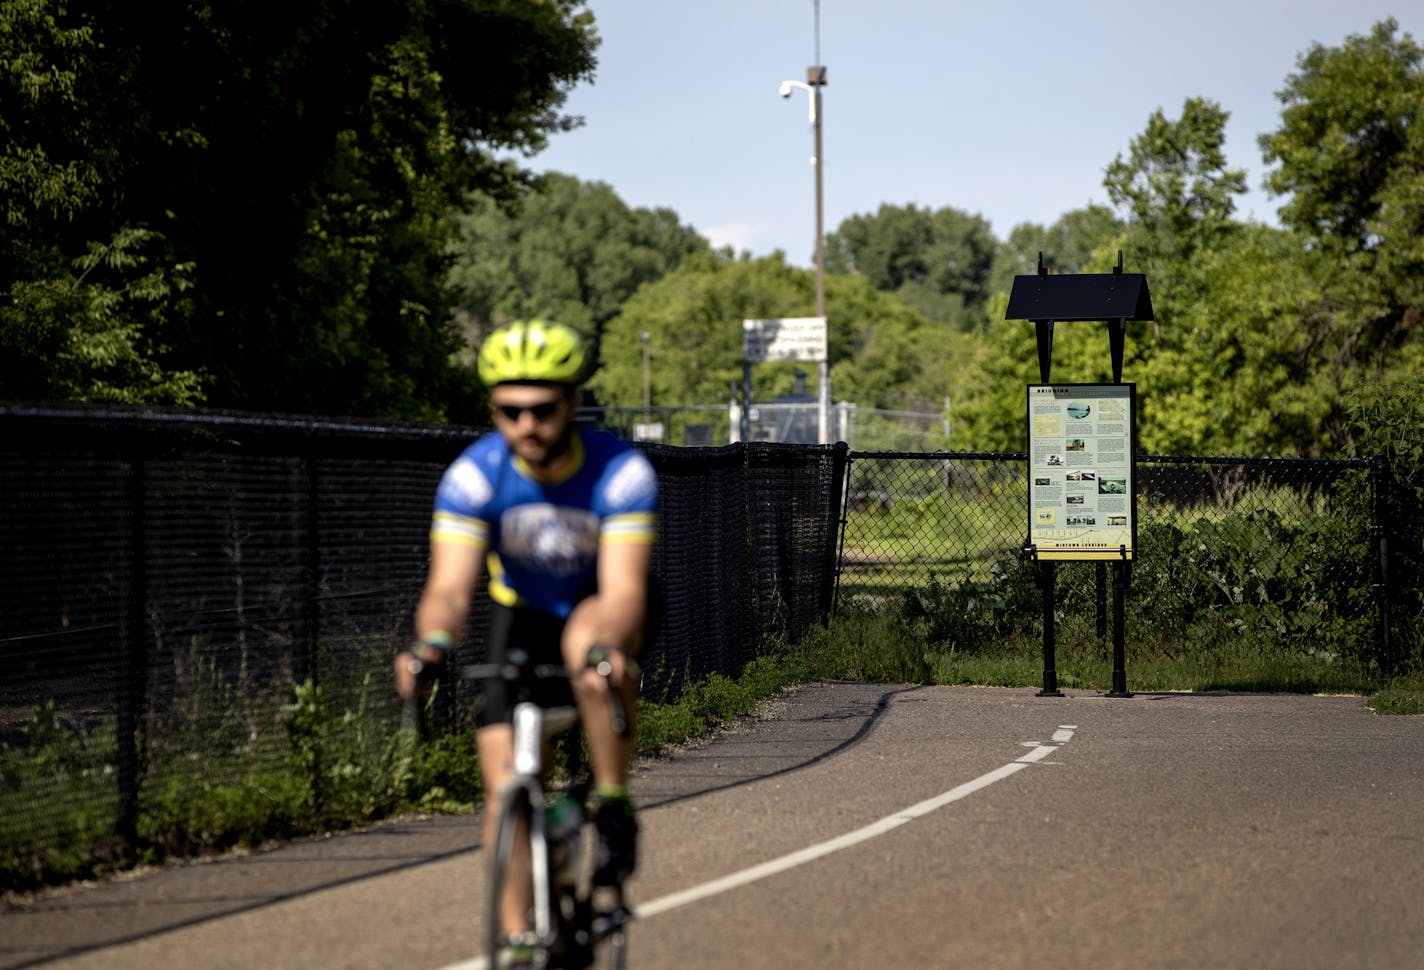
(570, 917)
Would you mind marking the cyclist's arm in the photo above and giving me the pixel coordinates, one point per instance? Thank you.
(623, 568)
(625, 551)
(455, 568)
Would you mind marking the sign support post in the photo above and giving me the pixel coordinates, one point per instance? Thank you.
(1082, 449)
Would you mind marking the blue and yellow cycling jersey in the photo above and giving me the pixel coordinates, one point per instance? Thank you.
(543, 537)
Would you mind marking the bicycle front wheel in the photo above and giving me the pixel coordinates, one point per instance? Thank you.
(618, 949)
(512, 827)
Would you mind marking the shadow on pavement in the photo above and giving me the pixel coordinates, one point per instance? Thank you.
(807, 726)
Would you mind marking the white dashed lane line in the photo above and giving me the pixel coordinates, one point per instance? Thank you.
(874, 829)
(1039, 751)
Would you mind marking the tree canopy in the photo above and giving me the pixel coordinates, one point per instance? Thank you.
(1260, 332)
(247, 204)
(312, 208)
(1349, 157)
(882, 352)
(937, 261)
(567, 250)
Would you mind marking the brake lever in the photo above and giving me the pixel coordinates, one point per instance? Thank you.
(599, 662)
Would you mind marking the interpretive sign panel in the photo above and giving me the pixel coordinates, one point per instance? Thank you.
(1082, 482)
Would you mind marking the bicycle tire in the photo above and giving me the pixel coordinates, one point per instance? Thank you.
(607, 928)
(617, 946)
(515, 804)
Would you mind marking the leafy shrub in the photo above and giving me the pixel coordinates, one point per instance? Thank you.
(59, 798)
(1385, 418)
(974, 616)
(1253, 576)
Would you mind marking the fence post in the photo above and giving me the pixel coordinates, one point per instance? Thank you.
(839, 514)
(1100, 575)
(1046, 572)
(1384, 643)
(311, 594)
(1122, 576)
(132, 643)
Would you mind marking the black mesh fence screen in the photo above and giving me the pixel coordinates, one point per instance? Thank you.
(170, 579)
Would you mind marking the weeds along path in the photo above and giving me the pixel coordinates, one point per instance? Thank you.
(862, 825)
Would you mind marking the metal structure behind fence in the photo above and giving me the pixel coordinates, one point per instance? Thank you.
(862, 428)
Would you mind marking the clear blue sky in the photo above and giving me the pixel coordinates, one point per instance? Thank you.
(1006, 109)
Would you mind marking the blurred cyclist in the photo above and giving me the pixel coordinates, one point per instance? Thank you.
(566, 518)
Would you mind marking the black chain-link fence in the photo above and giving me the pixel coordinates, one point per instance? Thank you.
(1260, 554)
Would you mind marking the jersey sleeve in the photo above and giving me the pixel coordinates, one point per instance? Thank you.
(630, 500)
(461, 504)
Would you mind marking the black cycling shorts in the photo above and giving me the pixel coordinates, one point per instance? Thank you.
(538, 634)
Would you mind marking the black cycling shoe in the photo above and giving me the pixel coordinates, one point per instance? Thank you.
(617, 853)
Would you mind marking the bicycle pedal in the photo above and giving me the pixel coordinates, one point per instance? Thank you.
(607, 923)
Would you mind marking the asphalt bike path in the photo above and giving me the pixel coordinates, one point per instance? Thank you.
(863, 825)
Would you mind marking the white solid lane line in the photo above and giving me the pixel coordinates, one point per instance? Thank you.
(752, 874)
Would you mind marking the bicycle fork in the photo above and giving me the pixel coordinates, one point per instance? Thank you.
(531, 727)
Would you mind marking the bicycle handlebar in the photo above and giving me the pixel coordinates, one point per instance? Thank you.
(516, 672)
(598, 660)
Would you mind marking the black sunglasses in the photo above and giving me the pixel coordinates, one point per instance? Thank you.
(542, 411)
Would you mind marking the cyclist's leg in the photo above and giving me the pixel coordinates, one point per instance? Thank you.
(609, 751)
(614, 614)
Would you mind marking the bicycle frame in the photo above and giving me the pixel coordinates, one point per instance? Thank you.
(533, 725)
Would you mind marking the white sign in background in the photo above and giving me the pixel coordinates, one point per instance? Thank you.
(786, 338)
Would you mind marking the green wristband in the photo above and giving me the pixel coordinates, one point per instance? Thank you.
(437, 639)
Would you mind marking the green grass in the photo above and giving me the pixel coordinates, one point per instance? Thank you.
(1403, 695)
(716, 701)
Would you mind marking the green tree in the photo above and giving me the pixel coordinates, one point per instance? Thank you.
(1258, 329)
(1067, 245)
(75, 321)
(295, 164)
(567, 250)
(883, 353)
(1245, 367)
(936, 260)
(1178, 195)
(86, 340)
(1349, 159)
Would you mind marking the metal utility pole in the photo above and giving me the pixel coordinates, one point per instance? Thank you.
(647, 376)
(816, 79)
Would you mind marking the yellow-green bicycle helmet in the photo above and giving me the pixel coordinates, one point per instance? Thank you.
(533, 351)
